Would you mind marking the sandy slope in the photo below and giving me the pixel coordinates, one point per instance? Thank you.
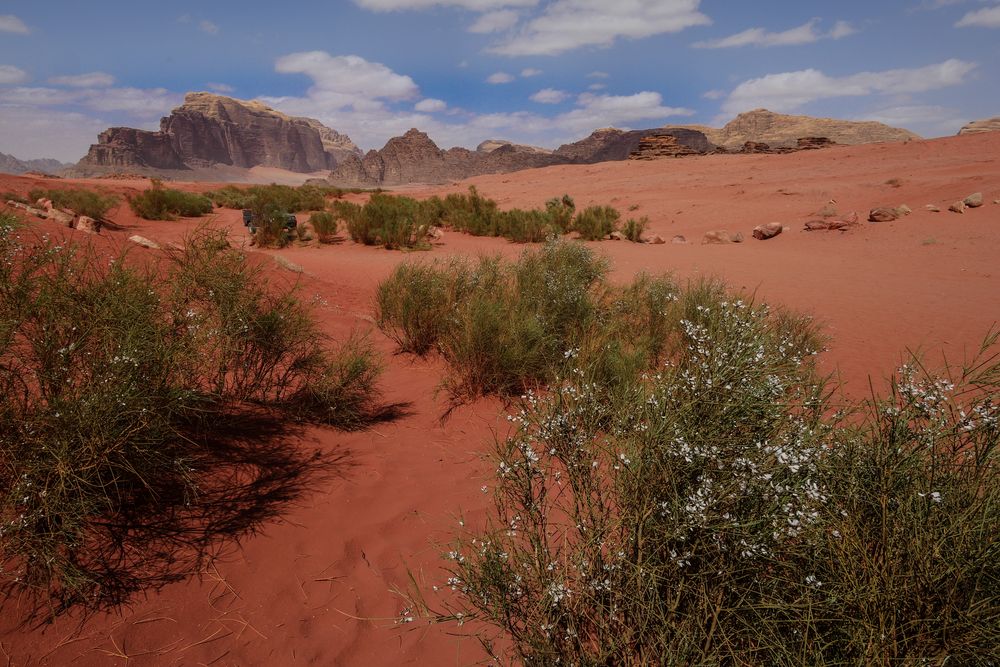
(316, 587)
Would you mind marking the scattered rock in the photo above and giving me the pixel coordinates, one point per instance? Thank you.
(87, 224)
(839, 225)
(716, 237)
(144, 242)
(44, 204)
(768, 231)
(974, 200)
(737, 237)
(60, 216)
(883, 214)
(932, 208)
(655, 239)
(679, 240)
(957, 207)
(903, 210)
(618, 236)
(31, 210)
(817, 225)
(852, 219)
(435, 233)
(287, 264)
(996, 201)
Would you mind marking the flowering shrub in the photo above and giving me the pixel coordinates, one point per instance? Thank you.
(721, 510)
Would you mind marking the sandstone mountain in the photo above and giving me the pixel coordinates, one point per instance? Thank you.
(984, 125)
(210, 130)
(779, 130)
(415, 158)
(11, 165)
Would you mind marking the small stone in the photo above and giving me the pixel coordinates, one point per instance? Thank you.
(768, 231)
(903, 209)
(716, 237)
(817, 225)
(883, 214)
(679, 240)
(957, 207)
(44, 204)
(144, 242)
(618, 236)
(288, 264)
(435, 233)
(975, 200)
(932, 208)
(655, 239)
(87, 224)
(62, 217)
(737, 237)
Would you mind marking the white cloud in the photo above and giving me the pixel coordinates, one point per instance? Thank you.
(497, 21)
(140, 102)
(224, 88)
(987, 17)
(565, 25)
(597, 86)
(530, 71)
(926, 120)
(789, 90)
(10, 75)
(803, 34)
(475, 5)
(499, 77)
(39, 96)
(88, 80)
(430, 105)
(549, 96)
(30, 132)
(597, 74)
(714, 94)
(10, 23)
(348, 81)
(208, 27)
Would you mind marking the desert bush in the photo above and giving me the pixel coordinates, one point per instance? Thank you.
(324, 224)
(634, 229)
(115, 380)
(595, 222)
(522, 226)
(394, 222)
(724, 509)
(82, 202)
(159, 203)
(471, 213)
(561, 210)
(282, 197)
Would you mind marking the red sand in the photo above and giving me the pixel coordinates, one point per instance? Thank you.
(317, 586)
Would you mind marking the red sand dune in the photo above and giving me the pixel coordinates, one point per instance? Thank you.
(317, 586)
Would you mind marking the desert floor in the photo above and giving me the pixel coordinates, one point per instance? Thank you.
(318, 585)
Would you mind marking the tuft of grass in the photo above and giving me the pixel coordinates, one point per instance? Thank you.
(82, 202)
(121, 386)
(159, 203)
(324, 225)
(596, 222)
(634, 229)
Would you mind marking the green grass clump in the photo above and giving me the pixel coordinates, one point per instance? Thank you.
(724, 508)
(634, 229)
(596, 222)
(124, 390)
(324, 225)
(561, 210)
(394, 222)
(82, 202)
(159, 203)
(284, 197)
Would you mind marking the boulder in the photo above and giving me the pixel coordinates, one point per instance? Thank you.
(655, 239)
(883, 214)
(144, 242)
(60, 216)
(768, 231)
(678, 240)
(957, 207)
(975, 200)
(720, 236)
(87, 224)
(932, 208)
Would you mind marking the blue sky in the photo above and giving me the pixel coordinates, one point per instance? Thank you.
(534, 71)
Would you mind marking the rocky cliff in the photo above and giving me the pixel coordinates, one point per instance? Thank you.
(776, 130)
(415, 158)
(209, 130)
(984, 125)
(11, 165)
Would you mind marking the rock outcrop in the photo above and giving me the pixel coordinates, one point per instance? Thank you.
(209, 130)
(984, 125)
(782, 130)
(657, 146)
(12, 165)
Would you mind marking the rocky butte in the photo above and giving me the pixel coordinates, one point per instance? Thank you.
(210, 131)
(984, 125)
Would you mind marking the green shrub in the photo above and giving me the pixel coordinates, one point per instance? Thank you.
(561, 211)
(82, 202)
(324, 224)
(394, 222)
(525, 226)
(159, 203)
(725, 510)
(123, 389)
(634, 229)
(596, 222)
(471, 213)
(282, 197)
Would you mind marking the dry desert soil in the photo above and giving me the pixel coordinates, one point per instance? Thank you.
(317, 586)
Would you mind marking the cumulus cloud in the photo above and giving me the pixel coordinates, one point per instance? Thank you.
(88, 80)
(530, 71)
(714, 94)
(208, 27)
(803, 34)
(430, 105)
(987, 17)
(224, 88)
(139, 102)
(348, 81)
(549, 96)
(789, 90)
(10, 23)
(31, 132)
(40, 96)
(10, 75)
(497, 21)
(475, 5)
(499, 77)
(565, 25)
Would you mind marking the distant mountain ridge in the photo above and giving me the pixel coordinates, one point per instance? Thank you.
(12, 165)
(983, 125)
(210, 130)
(781, 130)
